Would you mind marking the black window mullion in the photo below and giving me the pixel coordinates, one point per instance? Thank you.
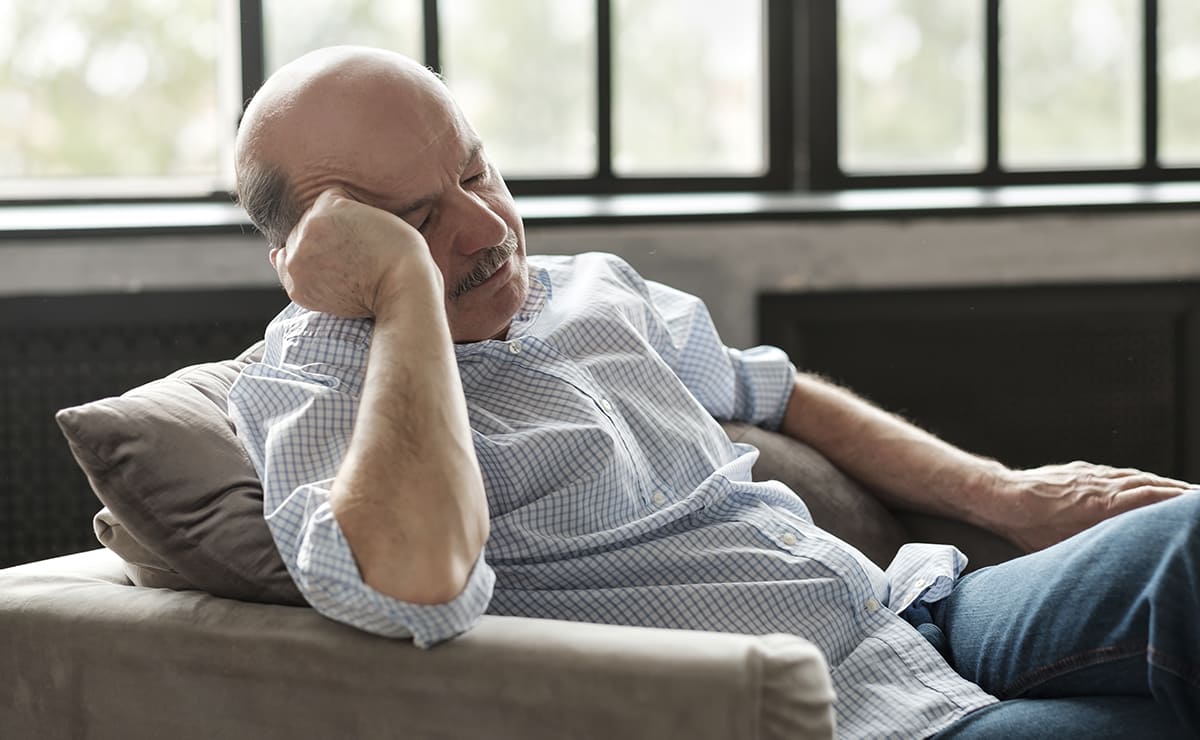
(780, 86)
(821, 17)
(250, 25)
(1150, 84)
(991, 52)
(604, 89)
(432, 37)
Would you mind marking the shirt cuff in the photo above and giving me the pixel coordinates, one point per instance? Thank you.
(765, 379)
(923, 571)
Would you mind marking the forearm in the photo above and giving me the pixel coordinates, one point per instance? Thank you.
(906, 466)
(409, 496)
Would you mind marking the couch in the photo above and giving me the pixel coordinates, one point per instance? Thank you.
(132, 641)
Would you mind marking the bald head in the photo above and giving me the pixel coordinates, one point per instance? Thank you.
(317, 121)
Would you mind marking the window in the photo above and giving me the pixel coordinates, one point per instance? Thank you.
(688, 88)
(117, 98)
(991, 92)
(132, 99)
(292, 28)
(525, 75)
(911, 77)
(1179, 82)
(1070, 84)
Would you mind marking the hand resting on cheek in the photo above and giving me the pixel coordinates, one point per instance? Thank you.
(353, 260)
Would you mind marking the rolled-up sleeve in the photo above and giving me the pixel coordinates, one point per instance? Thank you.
(295, 414)
(751, 385)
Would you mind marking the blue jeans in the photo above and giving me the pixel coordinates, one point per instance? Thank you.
(1098, 636)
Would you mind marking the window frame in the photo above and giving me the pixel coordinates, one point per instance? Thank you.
(777, 118)
(827, 174)
(801, 136)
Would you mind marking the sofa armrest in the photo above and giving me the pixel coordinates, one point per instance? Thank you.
(84, 653)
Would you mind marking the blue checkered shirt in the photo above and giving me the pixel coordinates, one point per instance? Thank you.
(613, 493)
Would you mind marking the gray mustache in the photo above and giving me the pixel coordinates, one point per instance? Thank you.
(491, 260)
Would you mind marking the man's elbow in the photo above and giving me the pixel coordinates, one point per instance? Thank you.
(433, 584)
(426, 569)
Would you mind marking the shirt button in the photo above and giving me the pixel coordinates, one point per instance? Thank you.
(658, 498)
(788, 538)
(514, 347)
(608, 407)
(872, 605)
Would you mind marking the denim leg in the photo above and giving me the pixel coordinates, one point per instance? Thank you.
(1113, 611)
(1091, 717)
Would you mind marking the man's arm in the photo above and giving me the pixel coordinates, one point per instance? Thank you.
(913, 469)
(408, 496)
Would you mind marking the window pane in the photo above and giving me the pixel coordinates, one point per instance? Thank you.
(1070, 82)
(116, 89)
(294, 27)
(688, 87)
(524, 72)
(910, 77)
(1179, 81)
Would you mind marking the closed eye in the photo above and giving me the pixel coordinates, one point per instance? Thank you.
(420, 223)
(475, 179)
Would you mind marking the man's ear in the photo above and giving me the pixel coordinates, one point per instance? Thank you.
(272, 255)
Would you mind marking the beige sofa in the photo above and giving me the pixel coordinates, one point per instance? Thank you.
(84, 653)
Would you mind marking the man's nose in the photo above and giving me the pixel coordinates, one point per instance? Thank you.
(478, 226)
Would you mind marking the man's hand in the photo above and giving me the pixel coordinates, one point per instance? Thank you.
(352, 260)
(1053, 502)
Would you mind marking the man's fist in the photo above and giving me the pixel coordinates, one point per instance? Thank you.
(353, 260)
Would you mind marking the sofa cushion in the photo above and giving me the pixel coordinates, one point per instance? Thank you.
(165, 461)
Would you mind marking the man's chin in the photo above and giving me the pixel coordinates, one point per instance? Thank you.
(486, 311)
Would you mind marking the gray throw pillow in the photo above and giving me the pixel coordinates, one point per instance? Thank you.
(165, 461)
(142, 566)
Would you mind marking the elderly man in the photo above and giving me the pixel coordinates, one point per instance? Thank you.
(432, 390)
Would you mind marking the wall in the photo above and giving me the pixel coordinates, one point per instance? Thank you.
(726, 263)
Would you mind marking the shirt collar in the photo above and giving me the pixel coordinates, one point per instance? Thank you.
(540, 291)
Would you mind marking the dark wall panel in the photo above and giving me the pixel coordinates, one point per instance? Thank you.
(1026, 375)
(62, 351)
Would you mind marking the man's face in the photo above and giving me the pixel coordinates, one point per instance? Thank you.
(399, 143)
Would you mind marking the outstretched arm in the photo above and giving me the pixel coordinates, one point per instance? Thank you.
(913, 469)
(408, 496)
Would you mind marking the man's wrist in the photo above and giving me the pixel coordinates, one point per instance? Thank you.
(410, 290)
(1002, 508)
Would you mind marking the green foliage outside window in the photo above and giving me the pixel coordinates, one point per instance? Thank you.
(113, 88)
